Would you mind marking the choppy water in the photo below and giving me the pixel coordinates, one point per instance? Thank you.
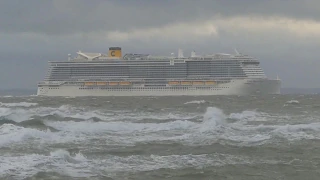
(220, 137)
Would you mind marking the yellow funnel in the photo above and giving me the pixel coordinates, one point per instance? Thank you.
(115, 52)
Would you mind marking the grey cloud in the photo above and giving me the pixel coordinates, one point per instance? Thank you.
(33, 32)
(61, 17)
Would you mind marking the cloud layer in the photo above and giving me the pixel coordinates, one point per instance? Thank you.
(240, 25)
(282, 34)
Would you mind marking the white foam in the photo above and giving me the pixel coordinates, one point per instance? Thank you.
(11, 134)
(213, 127)
(60, 161)
(153, 162)
(17, 115)
(81, 113)
(196, 102)
(19, 104)
(298, 131)
(90, 127)
(21, 167)
(65, 155)
(248, 116)
(249, 139)
(124, 127)
(293, 102)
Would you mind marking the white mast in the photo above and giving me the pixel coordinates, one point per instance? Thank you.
(180, 53)
(193, 54)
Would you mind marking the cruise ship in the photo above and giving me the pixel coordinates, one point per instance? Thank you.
(114, 74)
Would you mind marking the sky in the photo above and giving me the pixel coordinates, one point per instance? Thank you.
(283, 34)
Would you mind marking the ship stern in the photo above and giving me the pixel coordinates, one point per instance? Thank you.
(267, 86)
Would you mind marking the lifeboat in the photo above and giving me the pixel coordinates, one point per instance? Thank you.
(174, 83)
(186, 83)
(113, 83)
(197, 83)
(89, 83)
(210, 83)
(101, 83)
(124, 83)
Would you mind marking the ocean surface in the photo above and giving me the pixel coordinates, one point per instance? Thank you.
(178, 138)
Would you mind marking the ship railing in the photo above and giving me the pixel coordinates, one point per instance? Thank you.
(147, 79)
(51, 82)
(144, 79)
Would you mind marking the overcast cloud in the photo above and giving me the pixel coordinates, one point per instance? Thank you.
(283, 34)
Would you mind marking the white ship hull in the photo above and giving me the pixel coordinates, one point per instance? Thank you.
(235, 87)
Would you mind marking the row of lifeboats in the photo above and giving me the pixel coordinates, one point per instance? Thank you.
(192, 83)
(121, 83)
(127, 83)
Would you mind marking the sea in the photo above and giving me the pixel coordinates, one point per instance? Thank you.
(156, 138)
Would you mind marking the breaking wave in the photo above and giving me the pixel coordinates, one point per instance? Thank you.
(78, 165)
(196, 102)
(78, 141)
(67, 123)
(20, 104)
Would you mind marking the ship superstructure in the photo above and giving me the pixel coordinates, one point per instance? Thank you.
(97, 74)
